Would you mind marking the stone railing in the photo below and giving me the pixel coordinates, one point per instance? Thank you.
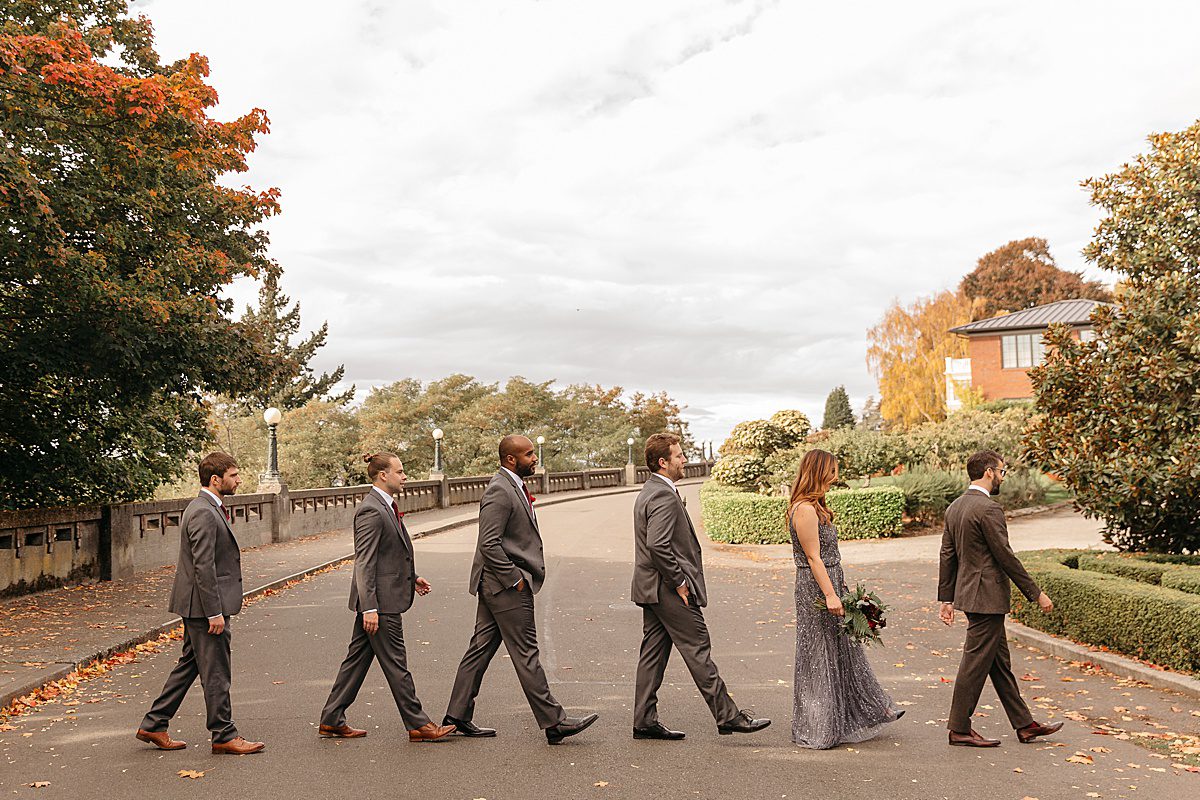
(42, 548)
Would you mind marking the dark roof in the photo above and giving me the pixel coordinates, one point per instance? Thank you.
(1068, 312)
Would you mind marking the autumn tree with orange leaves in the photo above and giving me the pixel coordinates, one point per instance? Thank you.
(116, 239)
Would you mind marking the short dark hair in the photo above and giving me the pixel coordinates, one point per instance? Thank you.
(658, 447)
(981, 462)
(378, 462)
(217, 464)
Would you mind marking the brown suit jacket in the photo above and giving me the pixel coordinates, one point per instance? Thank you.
(666, 552)
(977, 561)
(385, 576)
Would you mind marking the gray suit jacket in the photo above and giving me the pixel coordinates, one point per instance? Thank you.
(666, 552)
(977, 561)
(385, 576)
(510, 545)
(208, 578)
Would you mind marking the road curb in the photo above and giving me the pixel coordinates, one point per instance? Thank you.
(67, 668)
(1118, 665)
(1017, 513)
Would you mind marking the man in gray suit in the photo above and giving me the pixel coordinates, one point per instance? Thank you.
(206, 593)
(668, 583)
(976, 566)
(507, 572)
(382, 587)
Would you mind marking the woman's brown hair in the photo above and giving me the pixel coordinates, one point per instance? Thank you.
(813, 479)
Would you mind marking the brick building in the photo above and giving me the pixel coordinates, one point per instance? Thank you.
(1001, 350)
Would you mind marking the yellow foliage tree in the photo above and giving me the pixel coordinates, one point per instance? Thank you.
(907, 353)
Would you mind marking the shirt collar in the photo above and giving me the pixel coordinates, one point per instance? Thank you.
(516, 478)
(387, 498)
(214, 496)
(979, 489)
(670, 482)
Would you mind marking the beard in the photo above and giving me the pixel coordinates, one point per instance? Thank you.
(525, 470)
(995, 488)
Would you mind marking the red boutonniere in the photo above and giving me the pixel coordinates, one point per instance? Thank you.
(532, 499)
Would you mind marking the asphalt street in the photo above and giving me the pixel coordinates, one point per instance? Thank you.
(287, 648)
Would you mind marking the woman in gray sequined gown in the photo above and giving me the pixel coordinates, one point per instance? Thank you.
(837, 697)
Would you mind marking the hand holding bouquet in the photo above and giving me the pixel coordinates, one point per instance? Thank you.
(864, 615)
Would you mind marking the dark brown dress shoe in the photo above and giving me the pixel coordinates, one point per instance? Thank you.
(972, 739)
(339, 732)
(238, 747)
(430, 733)
(1036, 729)
(161, 739)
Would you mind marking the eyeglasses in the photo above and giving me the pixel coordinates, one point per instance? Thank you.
(1003, 472)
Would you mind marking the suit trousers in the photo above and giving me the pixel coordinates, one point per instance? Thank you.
(985, 654)
(506, 617)
(209, 657)
(672, 623)
(386, 644)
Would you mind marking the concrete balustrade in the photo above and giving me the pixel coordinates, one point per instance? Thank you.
(42, 548)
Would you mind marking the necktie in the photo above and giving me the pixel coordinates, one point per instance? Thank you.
(396, 511)
(227, 513)
(528, 496)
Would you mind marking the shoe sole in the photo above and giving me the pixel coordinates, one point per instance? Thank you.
(491, 735)
(341, 736)
(659, 738)
(233, 753)
(731, 733)
(969, 744)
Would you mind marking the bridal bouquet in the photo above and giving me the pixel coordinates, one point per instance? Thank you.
(864, 615)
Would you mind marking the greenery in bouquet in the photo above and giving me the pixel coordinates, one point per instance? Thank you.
(865, 615)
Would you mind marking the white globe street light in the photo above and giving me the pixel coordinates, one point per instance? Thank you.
(271, 478)
(437, 450)
(629, 442)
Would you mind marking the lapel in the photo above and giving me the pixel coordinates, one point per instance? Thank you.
(521, 499)
(391, 516)
(217, 510)
(679, 500)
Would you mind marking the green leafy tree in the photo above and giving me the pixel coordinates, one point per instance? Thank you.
(291, 381)
(838, 413)
(863, 454)
(947, 445)
(118, 232)
(794, 423)
(1119, 417)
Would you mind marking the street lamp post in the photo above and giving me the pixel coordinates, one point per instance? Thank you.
(629, 442)
(271, 480)
(437, 452)
(541, 440)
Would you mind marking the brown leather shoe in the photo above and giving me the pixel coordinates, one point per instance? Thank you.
(972, 739)
(160, 739)
(238, 747)
(339, 732)
(1036, 729)
(431, 733)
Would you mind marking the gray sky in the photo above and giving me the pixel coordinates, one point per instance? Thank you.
(717, 199)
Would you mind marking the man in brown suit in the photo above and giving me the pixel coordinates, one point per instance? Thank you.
(977, 564)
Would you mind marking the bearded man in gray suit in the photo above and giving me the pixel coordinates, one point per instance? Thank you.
(976, 567)
(382, 588)
(508, 570)
(668, 583)
(206, 593)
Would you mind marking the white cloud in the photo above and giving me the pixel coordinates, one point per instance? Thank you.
(712, 198)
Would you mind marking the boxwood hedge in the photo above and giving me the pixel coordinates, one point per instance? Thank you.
(750, 518)
(1155, 623)
(1125, 565)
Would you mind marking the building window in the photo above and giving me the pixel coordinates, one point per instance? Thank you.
(1087, 335)
(1021, 351)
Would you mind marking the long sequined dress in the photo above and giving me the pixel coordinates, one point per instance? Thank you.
(837, 697)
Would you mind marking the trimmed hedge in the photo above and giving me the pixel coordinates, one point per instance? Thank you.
(1160, 625)
(1125, 566)
(1185, 579)
(750, 518)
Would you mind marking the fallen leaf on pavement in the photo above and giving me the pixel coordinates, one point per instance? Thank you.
(1081, 758)
(190, 773)
(39, 784)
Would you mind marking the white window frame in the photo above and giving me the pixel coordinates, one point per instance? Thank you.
(1021, 350)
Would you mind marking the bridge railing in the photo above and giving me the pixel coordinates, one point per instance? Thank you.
(42, 548)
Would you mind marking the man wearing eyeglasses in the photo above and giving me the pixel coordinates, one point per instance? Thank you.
(976, 565)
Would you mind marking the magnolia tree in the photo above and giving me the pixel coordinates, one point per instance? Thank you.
(1120, 416)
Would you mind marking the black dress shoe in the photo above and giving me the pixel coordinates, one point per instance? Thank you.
(467, 728)
(742, 723)
(569, 727)
(658, 731)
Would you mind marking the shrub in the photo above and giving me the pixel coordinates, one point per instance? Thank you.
(1185, 579)
(947, 444)
(750, 518)
(1124, 566)
(795, 423)
(1172, 558)
(756, 437)
(1161, 625)
(927, 493)
(861, 453)
(739, 471)
(1023, 488)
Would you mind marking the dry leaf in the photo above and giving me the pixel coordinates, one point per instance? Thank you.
(1081, 758)
(190, 773)
(601, 784)
(1017, 769)
(39, 784)
(1100, 750)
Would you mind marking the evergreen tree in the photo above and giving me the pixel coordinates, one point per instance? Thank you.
(837, 410)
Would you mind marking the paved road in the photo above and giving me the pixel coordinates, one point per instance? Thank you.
(287, 647)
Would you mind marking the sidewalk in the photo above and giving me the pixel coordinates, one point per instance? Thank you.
(47, 635)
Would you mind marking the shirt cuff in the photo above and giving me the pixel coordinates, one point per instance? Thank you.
(680, 586)
(518, 583)
(371, 611)
(216, 616)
